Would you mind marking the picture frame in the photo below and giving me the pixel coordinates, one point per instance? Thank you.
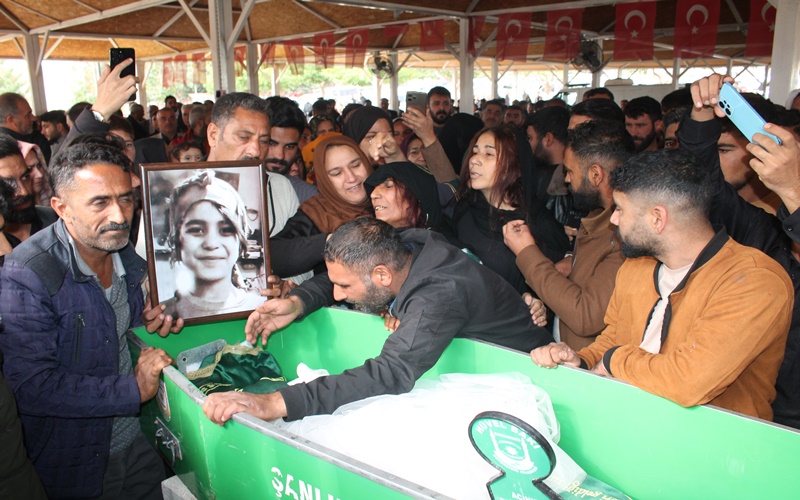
(207, 238)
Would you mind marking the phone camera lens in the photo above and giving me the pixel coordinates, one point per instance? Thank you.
(727, 111)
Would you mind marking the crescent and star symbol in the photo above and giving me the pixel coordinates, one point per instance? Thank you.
(764, 11)
(513, 23)
(563, 19)
(632, 14)
(696, 8)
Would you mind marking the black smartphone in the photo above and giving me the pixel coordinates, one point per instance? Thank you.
(116, 56)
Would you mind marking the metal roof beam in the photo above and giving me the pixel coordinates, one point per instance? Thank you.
(237, 28)
(318, 15)
(32, 10)
(394, 7)
(173, 20)
(103, 36)
(104, 14)
(11, 17)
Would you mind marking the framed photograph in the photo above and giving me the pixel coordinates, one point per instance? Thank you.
(207, 243)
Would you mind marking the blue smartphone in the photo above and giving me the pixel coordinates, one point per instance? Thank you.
(742, 114)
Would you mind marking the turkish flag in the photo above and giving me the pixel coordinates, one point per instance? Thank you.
(633, 34)
(760, 29)
(431, 36)
(513, 36)
(168, 75)
(295, 55)
(563, 35)
(267, 54)
(475, 27)
(696, 23)
(356, 47)
(239, 55)
(392, 31)
(324, 49)
(180, 69)
(199, 73)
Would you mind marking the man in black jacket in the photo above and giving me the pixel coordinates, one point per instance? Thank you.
(17, 120)
(435, 290)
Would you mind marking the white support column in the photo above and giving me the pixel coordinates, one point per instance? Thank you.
(251, 60)
(394, 82)
(220, 19)
(32, 50)
(276, 85)
(785, 50)
(565, 79)
(378, 83)
(141, 74)
(676, 72)
(495, 77)
(466, 69)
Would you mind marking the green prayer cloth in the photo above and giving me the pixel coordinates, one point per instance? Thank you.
(238, 368)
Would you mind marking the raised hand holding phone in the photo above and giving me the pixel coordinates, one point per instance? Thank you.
(739, 111)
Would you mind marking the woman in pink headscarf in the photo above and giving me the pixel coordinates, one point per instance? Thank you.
(42, 192)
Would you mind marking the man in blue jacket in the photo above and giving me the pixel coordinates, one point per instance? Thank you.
(68, 294)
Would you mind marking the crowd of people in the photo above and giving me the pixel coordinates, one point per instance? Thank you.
(652, 243)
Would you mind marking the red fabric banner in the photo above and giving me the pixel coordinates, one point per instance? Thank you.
(760, 29)
(239, 56)
(295, 55)
(513, 36)
(392, 31)
(324, 49)
(180, 70)
(563, 35)
(168, 75)
(431, 36)
(199, 69)
(475, 27)
(696, 23)
(633, 32)
(267, 54)
(356, 47)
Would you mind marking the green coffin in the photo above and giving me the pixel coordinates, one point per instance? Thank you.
(646, 446)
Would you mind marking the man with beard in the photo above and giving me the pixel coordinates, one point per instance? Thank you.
(492, 113)
(17, 120)
(435, 290)
(287, 123)
(24, 219)
(579, 295)
(440, 105)
(643, 121)
(715, 314)
(68, 295)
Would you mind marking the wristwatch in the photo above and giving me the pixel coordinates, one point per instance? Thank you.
(98, 116)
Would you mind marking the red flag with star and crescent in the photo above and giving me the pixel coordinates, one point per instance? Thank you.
(696, 24)
(513, 36)
(563, 35)
(295, 55)
(431, 36)
(633, 32)
(475, 27)
(324, 49)
(760, 29)
(356, 47)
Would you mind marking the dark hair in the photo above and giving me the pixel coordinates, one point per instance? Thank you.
(681, 98)
(603, 142)
(285, 113)
(496, 102)
(54, 117)
(226, 106)
(117, 122)
(764, 107)
(6, 194)
(364, 243)
(644, 105)
(85, 151)
(669, 176)
(553, 119)
(313, 124)
(8, 146)
(9, 105)
(77, 109)
(599, 109)
(320, 105)
(508, 184)
(519, 108)
(176, 150)
(598, 91)
(675, 115)
(168, 98)
(437, 91)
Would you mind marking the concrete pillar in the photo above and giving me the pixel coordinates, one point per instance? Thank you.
(220, 19)
(251, 61)
(141, 73)
(495, 77)
(394, 82)
(785, 50)
(32, 51)
(676, 72)
(466, 69)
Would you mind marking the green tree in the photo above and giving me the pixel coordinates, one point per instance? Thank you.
(12, 80)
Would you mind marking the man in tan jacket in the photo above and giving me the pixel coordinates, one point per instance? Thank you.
(578, 288)
(695, 317)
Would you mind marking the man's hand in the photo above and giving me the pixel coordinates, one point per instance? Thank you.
(517, 236)
(156, 321)
(778, 165)
(383, 146)
(147, 371)
(276, 287)
(390, 322)
(705, 95)
(538, 309)
(270, 316)
(219, 407)
(555, 354)
(600, 369)
(113, 91)
(422, 125)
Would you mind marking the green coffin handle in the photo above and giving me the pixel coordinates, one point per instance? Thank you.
(166, 440)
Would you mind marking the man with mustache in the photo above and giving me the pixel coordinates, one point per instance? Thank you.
(24, 219)
(643, 121)
(287, 123)
(440, 105)
(68, 295)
